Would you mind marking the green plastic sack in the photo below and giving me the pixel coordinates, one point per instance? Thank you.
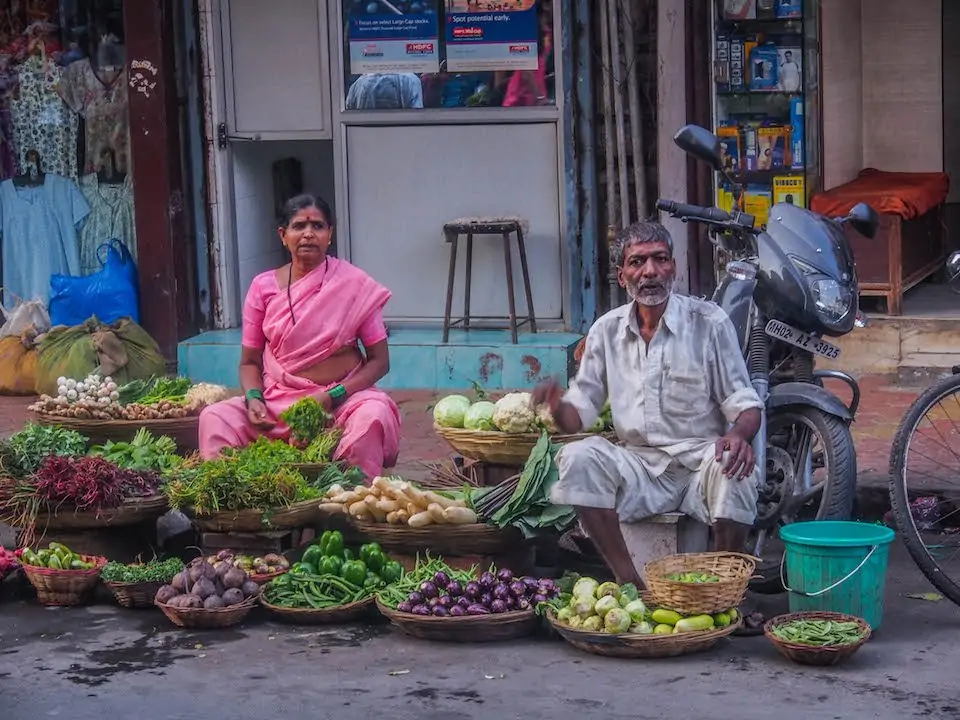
(123, 350)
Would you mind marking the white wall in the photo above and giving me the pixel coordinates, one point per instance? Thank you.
(841, 48)
(258, 246)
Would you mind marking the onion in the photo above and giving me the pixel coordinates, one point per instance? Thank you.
(505, 576)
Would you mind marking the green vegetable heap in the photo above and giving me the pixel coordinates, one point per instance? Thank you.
(819, 633)
(154, 390)
(153, 571)
(56, 556)
(145, 452)
(330, 574)
(25, 451)
(307, 419)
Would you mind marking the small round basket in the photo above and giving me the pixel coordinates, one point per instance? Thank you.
(329, 616)
(64, 588)
(135, 594)
(203, 619)
(819, 655)
(733, 569)
(641, 646)
(466, 629)
(499, 447)
(294, 515)
(130, 512)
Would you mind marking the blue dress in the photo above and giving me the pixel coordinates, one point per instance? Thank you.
(40, 227)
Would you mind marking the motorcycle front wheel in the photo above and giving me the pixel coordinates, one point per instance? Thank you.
(801, 442)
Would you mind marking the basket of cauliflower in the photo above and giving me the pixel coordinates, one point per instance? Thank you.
(502, 432)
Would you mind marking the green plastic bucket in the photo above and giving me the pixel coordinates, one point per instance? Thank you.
(837, 566)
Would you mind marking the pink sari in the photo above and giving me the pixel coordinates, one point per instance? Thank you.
(332, 307)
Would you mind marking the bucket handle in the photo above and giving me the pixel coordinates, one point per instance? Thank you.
(837, 584)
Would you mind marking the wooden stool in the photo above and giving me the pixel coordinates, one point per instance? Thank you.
(504, 228)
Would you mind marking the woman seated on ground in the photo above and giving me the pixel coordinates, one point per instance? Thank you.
(301, 327)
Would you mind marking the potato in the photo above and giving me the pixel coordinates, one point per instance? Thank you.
(421, 519)
(460, 516)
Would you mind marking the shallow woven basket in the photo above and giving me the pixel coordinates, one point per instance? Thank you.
(264, 578)
(135, 594)
(329, 616)
(131, 512)
(306, 512)
(64, 587)
(466, 629)
(641, 646)
(201, 618)
(810, 654)
(474, 539)
(733, 569)
(499, 447)
(183, 431)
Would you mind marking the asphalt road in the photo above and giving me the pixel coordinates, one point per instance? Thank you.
(103, 662)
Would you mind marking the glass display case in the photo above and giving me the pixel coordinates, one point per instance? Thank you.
(766, 91)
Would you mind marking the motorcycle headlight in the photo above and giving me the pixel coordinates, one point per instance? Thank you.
(832, 299)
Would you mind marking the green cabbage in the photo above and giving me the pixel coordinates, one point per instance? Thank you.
(642, 628)
(593, 624)
(605, 605)
(617, 621)
(450, 411)
(637, 610)
(585, 587)
(480, 416)
(609, 588)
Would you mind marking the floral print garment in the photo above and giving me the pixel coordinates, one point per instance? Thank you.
(111, 218)
(103, 105)
(42, 121)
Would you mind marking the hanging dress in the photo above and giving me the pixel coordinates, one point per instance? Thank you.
(103, 106)
(111, 218)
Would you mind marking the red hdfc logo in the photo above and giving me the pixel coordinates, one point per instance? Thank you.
(371, 50)
(468, 32)
(420, 48)
(519, 49)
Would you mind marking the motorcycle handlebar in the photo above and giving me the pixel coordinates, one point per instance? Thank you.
(693, 212)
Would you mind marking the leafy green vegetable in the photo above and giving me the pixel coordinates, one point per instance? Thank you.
(323, 446)
(306, 418)
(169, 389)
(27, 449)
(153, 571)
(145, 452)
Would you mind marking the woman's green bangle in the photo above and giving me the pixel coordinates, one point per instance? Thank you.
(338, 394)
(253, 394)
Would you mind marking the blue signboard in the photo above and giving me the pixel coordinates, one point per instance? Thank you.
(479, 39)
(388, 37)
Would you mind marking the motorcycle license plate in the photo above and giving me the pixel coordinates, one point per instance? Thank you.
(805, 341)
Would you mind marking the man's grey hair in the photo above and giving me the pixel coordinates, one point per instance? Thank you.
(645, 231)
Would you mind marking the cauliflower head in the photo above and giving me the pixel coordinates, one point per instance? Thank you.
(545, 419)
(513, 413)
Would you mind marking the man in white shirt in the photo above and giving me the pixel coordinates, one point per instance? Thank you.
(682, 405)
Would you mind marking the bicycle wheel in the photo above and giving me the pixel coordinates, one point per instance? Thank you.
(925, 484)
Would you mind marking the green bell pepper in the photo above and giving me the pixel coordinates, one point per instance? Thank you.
(391, 572)
(373, 556)
(302, 568)
(354, 572)
(348, 555)
(330, 565)
(312, 555)
(373, 581)
(334, 544)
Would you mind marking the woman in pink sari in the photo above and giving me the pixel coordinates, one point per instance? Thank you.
(301, 327)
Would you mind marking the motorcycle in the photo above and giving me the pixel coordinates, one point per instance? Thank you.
(786, 288)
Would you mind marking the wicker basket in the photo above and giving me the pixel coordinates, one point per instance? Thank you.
(641, 646)
(135, 594)
(466, 629)
(64, 587)
(499, 447)
(455, 540)
(733, 569)
(183, 431)
(264, 578)
(131, 512)
(811, 654)
(330, 616)
(204, 619)
(306, 512)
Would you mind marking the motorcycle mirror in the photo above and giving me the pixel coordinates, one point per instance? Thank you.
(953, 271)
(701, 143)
(864, 220)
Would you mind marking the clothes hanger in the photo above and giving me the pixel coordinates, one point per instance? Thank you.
(34, 175)
(108, 173)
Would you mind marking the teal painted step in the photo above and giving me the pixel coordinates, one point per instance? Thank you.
(418, 360)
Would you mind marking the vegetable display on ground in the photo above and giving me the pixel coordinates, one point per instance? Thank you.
(24, 452)
(513, 413)
(267, 564)
(397, 502)
(56, 556)
(207, 586)
(152, 571)
(145, 452)
(819, 633)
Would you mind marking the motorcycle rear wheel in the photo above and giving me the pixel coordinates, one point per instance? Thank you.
(833, 454)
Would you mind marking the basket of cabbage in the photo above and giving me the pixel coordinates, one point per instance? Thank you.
(502, 432)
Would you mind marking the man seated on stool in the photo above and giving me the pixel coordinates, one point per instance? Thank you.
(676, 379)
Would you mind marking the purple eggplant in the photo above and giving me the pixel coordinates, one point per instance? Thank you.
(421, 610)
(446, 601)
(539, 598)
(464, 602)
(530, 582)
(405, 607)
(433, 602)
(523, 604)
(505, 576)
(472, 590)
(441, 579)
(498, 606)
(487, 581)
(547, 586)
(428, 589)
(486, 599)
(415, 598)
(477, 609)
(457, 611)
(511, 602)
(455, 588)
(501, 591)
(440, 611)
(518, 589)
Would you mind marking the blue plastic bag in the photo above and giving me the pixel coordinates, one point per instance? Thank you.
(110, 293)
